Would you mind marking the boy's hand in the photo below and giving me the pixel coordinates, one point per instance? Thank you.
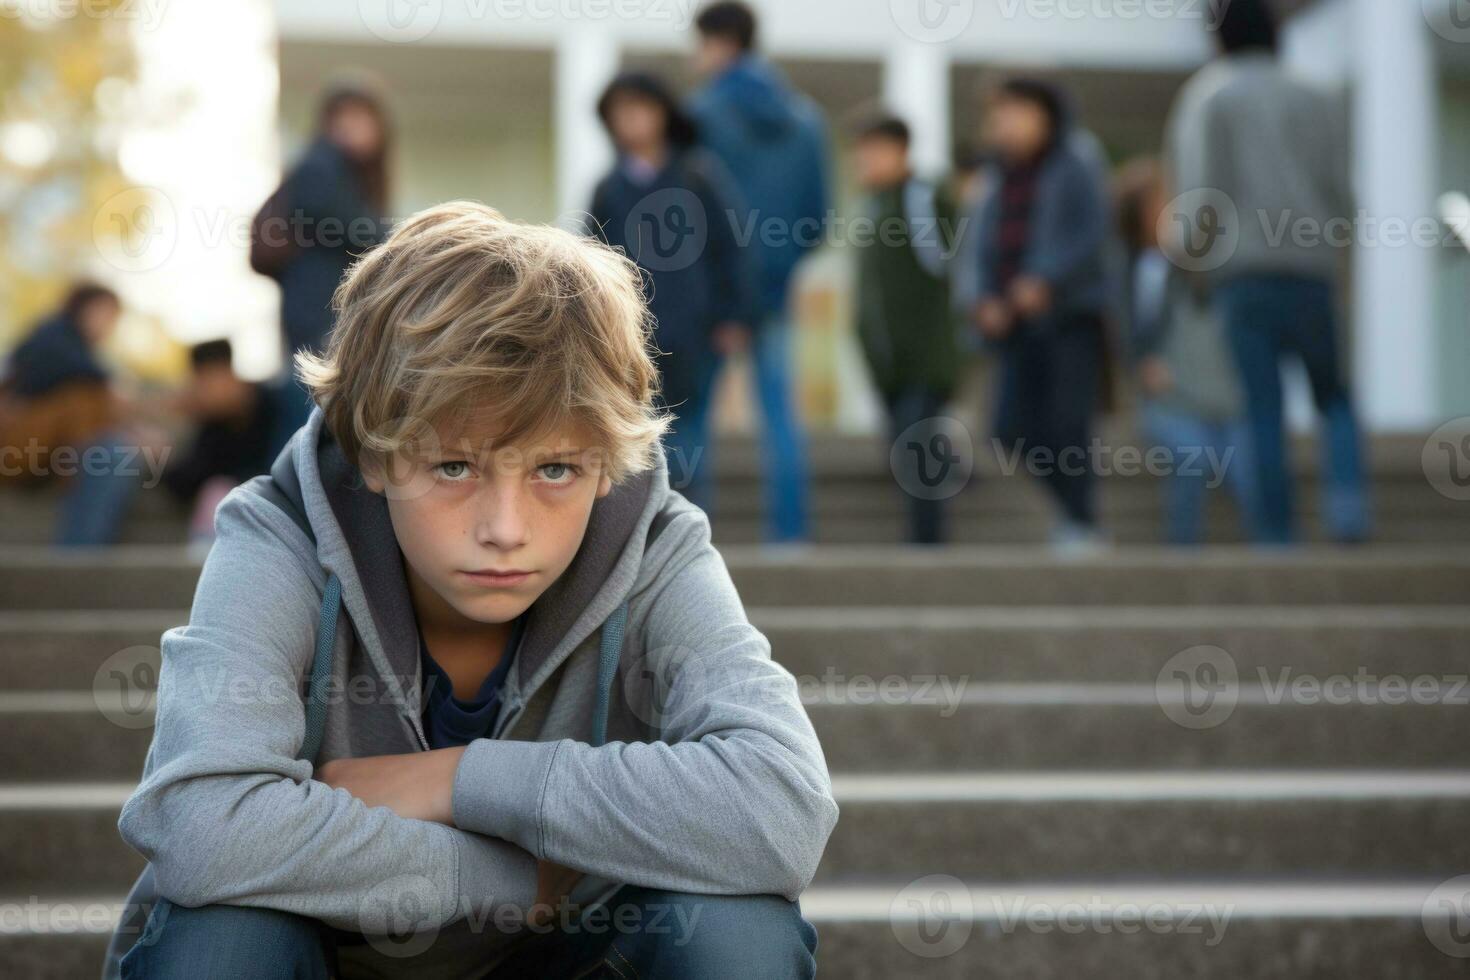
(417, 785)
(553, 882)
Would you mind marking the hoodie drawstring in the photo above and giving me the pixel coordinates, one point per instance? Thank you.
(321, 669)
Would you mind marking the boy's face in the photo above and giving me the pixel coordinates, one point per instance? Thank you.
(462, 506)
(880, 161)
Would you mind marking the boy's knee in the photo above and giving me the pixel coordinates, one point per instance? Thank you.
(226, 942)
(716, 936)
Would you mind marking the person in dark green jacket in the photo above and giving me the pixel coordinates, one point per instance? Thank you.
(904, 319)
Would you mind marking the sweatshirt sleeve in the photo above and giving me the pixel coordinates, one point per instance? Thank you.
(734, 798)
(226, 812)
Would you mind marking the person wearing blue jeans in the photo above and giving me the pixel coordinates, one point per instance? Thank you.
(1269, 317)
(773, 141)
(687, 936)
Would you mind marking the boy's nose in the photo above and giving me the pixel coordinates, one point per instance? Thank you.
(501, 515)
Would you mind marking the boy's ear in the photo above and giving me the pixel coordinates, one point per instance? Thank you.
(372, 476)
(604, 485)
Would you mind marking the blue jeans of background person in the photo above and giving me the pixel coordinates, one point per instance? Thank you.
(908, 407)
(1050, 378)
(108, 475)
(672, 935)
(1269, 317)
(783, 447)
(1197, 448)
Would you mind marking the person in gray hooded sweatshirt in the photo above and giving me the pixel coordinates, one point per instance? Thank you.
(552, 741)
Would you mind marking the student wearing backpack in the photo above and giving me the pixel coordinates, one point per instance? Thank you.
(327, 212)
(541, 696)
(904, 318)
(669, 206)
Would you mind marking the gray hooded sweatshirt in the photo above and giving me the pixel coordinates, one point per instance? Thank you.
(711, 781)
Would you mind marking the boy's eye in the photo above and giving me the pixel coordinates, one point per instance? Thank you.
(559, 473)
(453, 470)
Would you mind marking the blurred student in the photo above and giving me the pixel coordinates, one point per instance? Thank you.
(699, 297)
(773, 141)
(1277, 150)
(1042, 294)
(327, 212)
(60, 416)
(904, 320)
(233, 424)
(1191, 402)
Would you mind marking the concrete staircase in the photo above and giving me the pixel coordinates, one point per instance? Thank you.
(1044, 767)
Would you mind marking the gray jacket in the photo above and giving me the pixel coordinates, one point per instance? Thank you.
(1277, 149)
(712, 779)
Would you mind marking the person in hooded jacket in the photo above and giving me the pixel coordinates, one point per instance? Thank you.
(773, 140)
(666, 204)
(1043, 292)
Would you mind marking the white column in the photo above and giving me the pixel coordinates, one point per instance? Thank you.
(1395, 116)
(916, 86)
(586, 61)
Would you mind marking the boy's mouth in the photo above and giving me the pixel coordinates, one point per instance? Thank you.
(501, 578)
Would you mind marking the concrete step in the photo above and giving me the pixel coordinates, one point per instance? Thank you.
(947, 928)
(67, 650)
(1008, 529)
(947, 725)
(163, 577)
(1134, 826)
(1117, 826)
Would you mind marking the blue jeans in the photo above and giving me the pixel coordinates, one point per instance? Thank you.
(1269, 317)
(1050, 376)
(1200, 451)
(647, 933)
(908, 407)
(107, 479)
(783, 448)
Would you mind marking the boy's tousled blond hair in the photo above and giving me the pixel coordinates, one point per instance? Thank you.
(464, 315)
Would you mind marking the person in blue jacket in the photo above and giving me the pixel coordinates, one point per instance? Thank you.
(666, 203)
(773, 140)
(336, 198)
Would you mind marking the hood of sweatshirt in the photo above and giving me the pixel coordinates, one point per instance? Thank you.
(758, 95)
(355, 540)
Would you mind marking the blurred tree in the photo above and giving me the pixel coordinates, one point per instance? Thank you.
(66, 77)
